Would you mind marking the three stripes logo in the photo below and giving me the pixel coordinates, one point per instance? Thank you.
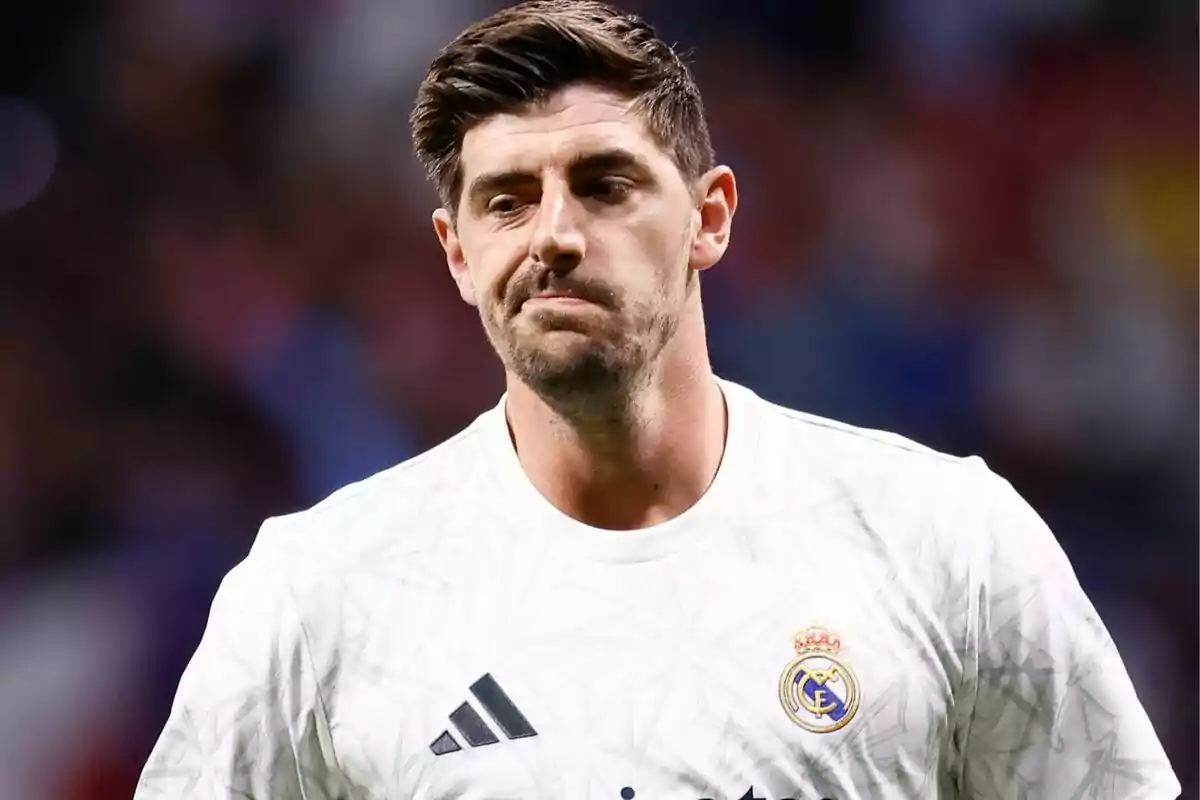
(474, 729)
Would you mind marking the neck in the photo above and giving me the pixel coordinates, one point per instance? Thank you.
(649, 461)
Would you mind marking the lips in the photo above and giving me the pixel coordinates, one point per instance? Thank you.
(565, 297)
(564, 292)
(559, 296)
(559, 301)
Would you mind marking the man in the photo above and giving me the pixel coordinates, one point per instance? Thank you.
(629, 578)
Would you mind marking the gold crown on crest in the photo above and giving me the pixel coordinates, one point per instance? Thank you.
(816, 639)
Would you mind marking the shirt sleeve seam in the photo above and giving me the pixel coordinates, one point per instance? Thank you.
(306, 646)
(306, 643)
(972, 629)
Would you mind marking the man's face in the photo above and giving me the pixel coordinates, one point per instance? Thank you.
(574, 237)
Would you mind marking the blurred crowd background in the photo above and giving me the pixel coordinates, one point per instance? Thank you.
(973, 223)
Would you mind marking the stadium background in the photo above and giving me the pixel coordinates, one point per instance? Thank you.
(973, 223)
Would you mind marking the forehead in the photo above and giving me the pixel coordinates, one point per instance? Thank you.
(574, 121)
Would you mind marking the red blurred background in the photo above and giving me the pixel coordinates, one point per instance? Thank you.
(220, 298)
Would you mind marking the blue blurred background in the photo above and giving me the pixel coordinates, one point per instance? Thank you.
(974, 223)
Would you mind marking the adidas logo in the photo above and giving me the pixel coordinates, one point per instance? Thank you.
(473, 727)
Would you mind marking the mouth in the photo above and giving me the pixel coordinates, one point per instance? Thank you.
(566, 295)
(558, 301)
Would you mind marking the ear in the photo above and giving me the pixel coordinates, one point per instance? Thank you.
(443, 226)
(716, 192)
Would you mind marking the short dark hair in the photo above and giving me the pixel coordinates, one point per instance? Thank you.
(522, 55)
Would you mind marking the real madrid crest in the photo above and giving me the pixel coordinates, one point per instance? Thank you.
(818, 690)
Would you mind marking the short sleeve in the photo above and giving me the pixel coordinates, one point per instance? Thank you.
(247, 720)
(1052, 713)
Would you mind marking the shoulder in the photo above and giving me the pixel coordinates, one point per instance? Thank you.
(904, 496)
(401, 506)
(858, 458)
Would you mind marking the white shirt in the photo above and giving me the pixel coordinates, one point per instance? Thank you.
(671, 663)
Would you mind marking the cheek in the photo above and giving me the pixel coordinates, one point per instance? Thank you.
(498, 256)
(665, 243)
(485, 275)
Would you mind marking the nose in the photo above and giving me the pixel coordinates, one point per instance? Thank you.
(558, 240)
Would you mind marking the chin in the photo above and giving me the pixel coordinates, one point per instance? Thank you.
(570, 369)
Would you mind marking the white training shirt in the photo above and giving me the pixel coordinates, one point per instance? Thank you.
(844, 614)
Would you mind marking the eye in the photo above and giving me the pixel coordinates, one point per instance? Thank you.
(503, 204)
(609, 189)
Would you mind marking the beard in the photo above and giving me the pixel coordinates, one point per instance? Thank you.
(584, 365)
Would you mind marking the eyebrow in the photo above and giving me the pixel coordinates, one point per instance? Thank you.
(613, 158)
